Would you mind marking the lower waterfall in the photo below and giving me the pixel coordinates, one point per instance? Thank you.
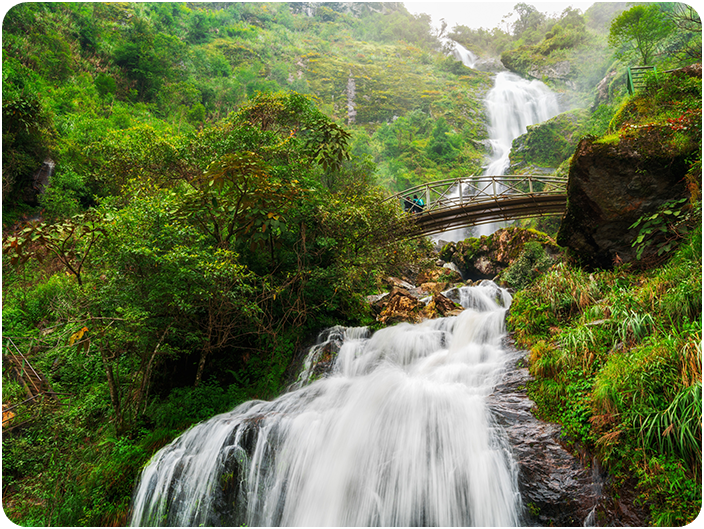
(398, 434)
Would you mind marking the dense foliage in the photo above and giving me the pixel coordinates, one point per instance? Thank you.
(217, 197)
(616, 354)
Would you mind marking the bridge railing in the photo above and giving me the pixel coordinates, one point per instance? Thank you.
(460, 192)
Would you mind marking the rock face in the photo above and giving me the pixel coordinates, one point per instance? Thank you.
(485, 257)
(611, 185)
(557, 487)
(546, 145)
(400, 305)
(560, 70)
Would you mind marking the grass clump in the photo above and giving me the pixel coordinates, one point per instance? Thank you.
(616, 357)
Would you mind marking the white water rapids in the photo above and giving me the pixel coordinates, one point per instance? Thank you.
(399, 434)
(513, 104)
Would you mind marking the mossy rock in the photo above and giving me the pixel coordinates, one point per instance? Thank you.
(487, 256)
(548, 144)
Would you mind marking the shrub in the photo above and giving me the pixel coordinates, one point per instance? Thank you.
(532, 262)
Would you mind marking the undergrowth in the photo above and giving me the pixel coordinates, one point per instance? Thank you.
(616, 358)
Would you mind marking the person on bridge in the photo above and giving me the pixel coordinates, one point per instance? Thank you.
(418, 205)
(407, 204)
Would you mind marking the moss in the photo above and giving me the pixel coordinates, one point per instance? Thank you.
(548, 144)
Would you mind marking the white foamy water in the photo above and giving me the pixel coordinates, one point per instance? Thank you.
(512, 105)
(399, 434)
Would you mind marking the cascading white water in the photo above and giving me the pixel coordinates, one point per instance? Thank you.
(513, 104)
(398, 435)
(463, 54)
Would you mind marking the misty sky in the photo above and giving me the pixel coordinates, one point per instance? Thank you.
(484, 14)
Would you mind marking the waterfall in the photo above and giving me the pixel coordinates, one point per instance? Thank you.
(398, 434)
(464, 55)
(512, 105)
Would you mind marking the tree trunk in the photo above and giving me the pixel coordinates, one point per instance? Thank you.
(114, 393)
(201, 365)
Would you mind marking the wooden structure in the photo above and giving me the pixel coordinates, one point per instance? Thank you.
(477, 200)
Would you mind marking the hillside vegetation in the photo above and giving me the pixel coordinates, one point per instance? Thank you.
(191, 191)
(616, 354)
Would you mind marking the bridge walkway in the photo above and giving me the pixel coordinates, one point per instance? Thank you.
(475, 200)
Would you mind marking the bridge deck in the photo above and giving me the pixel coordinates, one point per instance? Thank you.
(482, 199)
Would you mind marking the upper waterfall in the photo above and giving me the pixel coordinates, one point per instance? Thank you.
(512, 105)
(463, 54)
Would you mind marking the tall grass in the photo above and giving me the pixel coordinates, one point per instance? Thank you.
(678, 429)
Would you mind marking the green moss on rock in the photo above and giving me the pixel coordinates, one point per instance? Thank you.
(486, 256)
(548, 144)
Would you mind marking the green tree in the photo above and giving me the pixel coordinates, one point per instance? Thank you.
(637, 34)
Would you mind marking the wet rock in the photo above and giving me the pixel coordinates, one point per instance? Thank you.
(546, 145)
(485, 257)
(614, 183)
(400, 306)
(556, 487)
(440, 307)
(439, 274)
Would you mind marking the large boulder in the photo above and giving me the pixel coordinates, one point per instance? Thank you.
(400, 305)
(546, 145)
(485, 257)
(613, 182)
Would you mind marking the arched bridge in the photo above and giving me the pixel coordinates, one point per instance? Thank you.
(483, 199)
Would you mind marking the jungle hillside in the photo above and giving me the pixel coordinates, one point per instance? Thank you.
(191, 192)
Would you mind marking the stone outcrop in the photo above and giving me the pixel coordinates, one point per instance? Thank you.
(611, 185)
(546, 145)
(485, 257)
(440, 307)
(559, 486)
(559, 70)
(400, 306)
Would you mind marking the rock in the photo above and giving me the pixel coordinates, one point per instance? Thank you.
(560, 70)
(441, 306)
(558, 488)
(400, 306)
(434, 288)
(439, 275)
(395, 282)
(487, 256)
(603, 90)
(491, 64)
(546, 145)
(611, 185)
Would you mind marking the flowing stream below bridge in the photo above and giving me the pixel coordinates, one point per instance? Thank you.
(398, 434)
